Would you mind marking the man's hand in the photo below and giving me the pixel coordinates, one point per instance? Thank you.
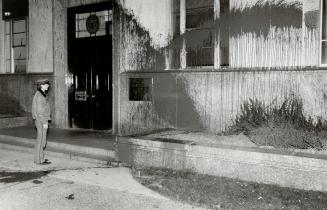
(45, 126)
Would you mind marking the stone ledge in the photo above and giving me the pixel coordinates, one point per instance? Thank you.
(302, 171)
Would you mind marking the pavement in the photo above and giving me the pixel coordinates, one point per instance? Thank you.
(70, 184)
(77, 144)
(80, 137)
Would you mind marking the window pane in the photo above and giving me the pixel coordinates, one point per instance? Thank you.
(104, 16)
(20, 66)
(140, 89)
(324, 53)
(84, 15)
(81, 25)
(19, 39)
(83, 34)
(101, 32)
(324, 20)
(19, 52)
(200, 18)
(8, 66)
(199, 33)
(19, 26)
(15, 46)
(200, 51)
(7, 47)
(7, 27)
(102, 13)
(102, 21)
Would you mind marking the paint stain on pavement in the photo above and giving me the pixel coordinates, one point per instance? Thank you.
(70, 197)
(37, 181)
(12, 177)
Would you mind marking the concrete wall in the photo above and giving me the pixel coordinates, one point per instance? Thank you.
(255, 33)
(47, 57)
(268, 62)
(17, 93)
(267, 34)
(17, 90)
(210, 101)
(41, 48)
(61, 76)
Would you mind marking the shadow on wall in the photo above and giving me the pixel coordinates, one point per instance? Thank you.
(171, 107)
(311, 19)
(10, 106)
(173, 103)
(265, 15)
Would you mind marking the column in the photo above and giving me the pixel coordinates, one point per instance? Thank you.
(182, 33)
(217, 35)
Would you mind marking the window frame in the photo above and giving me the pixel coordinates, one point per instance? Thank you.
(212, 33)
(84, 33)
(320, 34)
(11, 69)
(178, 30)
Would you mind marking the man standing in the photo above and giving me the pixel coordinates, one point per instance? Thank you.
(41, 116)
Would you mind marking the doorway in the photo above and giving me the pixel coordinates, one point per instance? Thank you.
(90, 64)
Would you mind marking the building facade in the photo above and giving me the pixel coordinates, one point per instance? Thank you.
(139, 65)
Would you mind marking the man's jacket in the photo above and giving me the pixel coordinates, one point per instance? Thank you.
(41, 108)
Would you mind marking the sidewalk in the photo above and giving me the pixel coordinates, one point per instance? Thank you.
(118, 178)
(68, 184)
(96, 139)
(91, 146)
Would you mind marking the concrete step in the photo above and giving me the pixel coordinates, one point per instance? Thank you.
(59, 149)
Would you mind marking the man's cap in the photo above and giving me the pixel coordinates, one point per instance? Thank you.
(43, 81)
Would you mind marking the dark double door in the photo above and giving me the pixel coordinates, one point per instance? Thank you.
(90, 63)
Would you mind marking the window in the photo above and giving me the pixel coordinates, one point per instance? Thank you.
(93, 24)
(140, 89)
(199, 33)
(16, 31)
(195, 29)
(324, 34)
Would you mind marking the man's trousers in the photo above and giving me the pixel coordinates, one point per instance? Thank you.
(41, 142)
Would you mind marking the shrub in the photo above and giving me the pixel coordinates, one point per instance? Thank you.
(283, 126)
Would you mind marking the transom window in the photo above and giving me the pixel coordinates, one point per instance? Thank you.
(93, 24)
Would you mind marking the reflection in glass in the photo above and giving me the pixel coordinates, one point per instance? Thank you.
(19, 26)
